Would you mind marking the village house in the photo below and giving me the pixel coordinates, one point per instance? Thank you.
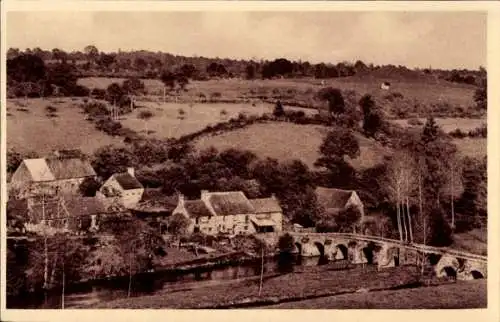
(67, 213)
(333, 200)
(50, 176)
(123, 188)
(231, 213)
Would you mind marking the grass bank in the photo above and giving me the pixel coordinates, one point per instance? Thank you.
(460, 295)
(309, 282)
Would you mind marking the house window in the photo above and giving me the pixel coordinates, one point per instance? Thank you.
(246, 227)
(197, 220)
(247, 219)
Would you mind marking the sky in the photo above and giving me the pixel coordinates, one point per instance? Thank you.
(414, 39)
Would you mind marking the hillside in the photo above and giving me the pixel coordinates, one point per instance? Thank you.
(288, 141)
(30, 129)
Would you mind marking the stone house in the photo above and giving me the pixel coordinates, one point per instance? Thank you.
(334, 200)
(231, 213)
(122, 188)
(50, 176)
(69, 213)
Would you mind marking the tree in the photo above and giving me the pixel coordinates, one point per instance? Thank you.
(109, 159)
(372, 116)
(188, 70)
(114, 93)
(338, 144)
(178, 225)
(92, 53)
(278, 67)
(430, 131)
(183, 81)
(250, 71)
(440, 233)
(168, 78)
(59, 55)
(145, 115)
(26, 68)
(334, 98)
(347, 219)
(89, 187)
(286, 246)
(481, 95)
(400, 185)
(106, 60)
(278, 110)
(473, 201)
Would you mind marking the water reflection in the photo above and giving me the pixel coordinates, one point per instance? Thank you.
(148, 284)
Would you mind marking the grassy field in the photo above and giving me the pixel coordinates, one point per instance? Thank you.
(462, 295)
(472, 147)
(288, 141)
(313, 281)
(30, 129)
(169, 121)
(425, 91)
(450, 124)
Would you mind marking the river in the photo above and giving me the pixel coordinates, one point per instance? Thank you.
(149, 284)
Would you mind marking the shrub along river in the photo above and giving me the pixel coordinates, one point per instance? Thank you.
(155, 283)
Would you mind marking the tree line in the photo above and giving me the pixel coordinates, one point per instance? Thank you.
(144, 64)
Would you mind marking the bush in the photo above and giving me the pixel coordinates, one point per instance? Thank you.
(479, 132)
(144, 115)
(457, 133)
(95, 109)
(415, 122)
(51, 109)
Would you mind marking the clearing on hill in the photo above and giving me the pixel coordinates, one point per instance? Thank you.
(31, 126)
(288, 141)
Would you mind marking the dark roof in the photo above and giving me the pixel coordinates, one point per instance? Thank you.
(51, 208)
(265, 205)
(331, 198)
(230, 203)
(155, 198)
(70, 168)
(197, 208)
(84, 206)
(127, 181)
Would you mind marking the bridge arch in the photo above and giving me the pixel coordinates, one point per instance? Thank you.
(476, 274)
(342, 249)
(298, 246)
(449, 271)
(320, 247)
(369, 252)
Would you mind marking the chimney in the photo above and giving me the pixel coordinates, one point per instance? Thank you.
(204, 194)
(131, 171)
(181, 199)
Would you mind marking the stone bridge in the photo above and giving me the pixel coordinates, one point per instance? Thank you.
(383, 252)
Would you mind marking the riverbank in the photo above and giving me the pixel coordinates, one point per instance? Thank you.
(306, 283)
(460, 295)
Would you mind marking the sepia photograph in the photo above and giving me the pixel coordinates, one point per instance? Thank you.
(245, 159)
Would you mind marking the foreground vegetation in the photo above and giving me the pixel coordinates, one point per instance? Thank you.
(311, 282)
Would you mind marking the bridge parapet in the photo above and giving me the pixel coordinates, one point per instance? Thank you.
(389, 253)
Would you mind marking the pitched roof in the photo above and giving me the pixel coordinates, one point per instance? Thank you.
(197, 208)
(127, 181)
(39, 170)
(70, 168)
(230, 203)
(84, 206)
(331, 198)
(265, 205)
